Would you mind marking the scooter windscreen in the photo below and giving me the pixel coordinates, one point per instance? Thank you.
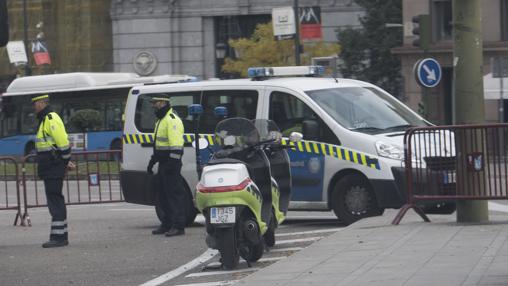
(268, 130)
(236, 132)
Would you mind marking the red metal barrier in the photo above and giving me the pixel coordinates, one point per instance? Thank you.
(9, 186)
(95, 180)
(457, 162)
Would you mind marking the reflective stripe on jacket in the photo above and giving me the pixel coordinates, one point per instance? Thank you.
(169, 137)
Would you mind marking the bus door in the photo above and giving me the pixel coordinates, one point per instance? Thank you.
(308, 160)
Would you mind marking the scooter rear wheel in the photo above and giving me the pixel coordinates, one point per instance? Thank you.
(228, 247)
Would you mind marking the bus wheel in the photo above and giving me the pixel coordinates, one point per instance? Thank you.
(353, 199)
(30, 150)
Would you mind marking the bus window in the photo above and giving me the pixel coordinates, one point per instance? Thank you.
(289, 113)
(239, 103)
(144, 119)
(10, 117)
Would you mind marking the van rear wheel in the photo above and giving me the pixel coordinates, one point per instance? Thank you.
(353, 199)
(190, 211)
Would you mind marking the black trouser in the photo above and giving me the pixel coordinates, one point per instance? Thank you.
(172, 195)
(57, 209)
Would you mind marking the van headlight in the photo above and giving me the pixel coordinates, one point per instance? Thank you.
(389, 150)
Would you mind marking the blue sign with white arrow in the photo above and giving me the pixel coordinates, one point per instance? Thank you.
(428, 72)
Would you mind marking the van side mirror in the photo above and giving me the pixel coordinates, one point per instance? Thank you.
(310, 130)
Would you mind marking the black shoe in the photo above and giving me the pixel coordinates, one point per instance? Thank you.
(175, 232)
(160, 230)
(55, 243)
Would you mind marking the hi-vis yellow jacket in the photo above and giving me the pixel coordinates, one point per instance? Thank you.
(52, 136)
(168, 138)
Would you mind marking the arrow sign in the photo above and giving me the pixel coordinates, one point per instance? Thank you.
(427, 72)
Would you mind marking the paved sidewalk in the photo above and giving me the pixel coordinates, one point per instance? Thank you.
(373, 252)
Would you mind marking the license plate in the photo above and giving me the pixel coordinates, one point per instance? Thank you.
(222, 215)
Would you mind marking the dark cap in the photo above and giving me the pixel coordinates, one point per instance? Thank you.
(39, 97)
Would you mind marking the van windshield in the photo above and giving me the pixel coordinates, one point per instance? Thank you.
(365, 109)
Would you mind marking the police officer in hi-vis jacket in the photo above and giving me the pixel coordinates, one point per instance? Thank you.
(168, 152)
(53, 158)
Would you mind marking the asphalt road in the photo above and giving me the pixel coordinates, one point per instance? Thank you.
(112, 244)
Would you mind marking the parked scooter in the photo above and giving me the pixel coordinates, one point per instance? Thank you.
(237, 194)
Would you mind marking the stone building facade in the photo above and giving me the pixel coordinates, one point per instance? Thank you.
(182, 37)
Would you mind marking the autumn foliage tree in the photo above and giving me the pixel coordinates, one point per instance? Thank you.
(262, 49)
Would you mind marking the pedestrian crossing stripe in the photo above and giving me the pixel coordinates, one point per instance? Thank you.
(303, 146)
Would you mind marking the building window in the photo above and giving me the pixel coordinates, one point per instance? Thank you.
(442, 19)
(504, 20)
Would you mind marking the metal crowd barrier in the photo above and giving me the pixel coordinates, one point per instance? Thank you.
(95, 180)
(457, 162)
(9, 187)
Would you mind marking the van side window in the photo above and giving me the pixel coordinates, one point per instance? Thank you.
(144, 119)
(239, 103)
(290, 113)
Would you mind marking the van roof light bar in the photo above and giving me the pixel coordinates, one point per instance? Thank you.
(266, 72)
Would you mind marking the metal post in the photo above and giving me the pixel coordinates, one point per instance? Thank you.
(25, 38)
(469, 100)
(297, 33)
(501, 87)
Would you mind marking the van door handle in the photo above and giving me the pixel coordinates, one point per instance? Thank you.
(146, 144)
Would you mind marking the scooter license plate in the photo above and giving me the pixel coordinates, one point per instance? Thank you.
(221, 215)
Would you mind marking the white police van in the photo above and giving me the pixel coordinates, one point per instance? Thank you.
(352, 130)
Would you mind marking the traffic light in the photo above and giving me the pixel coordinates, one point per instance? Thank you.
(4, 27)
(422, 30)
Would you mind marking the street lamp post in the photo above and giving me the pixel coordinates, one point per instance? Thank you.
(297, 33)
(25, 37)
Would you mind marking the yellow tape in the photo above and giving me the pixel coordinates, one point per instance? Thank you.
(302, 146)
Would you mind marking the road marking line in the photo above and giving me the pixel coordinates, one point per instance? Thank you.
(286, 249)
(208, 273)
(203, 258)
(309, 232)
(215, 264)
(498, 207)
(289, 241)
(218, 283)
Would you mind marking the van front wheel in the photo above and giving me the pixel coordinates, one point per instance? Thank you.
(353, 199)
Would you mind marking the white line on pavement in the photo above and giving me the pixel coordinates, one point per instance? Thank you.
(309, 232)
(286, 249)
(207, 255)
(208, 273)
(215, 264)
(289, 241)
(498, 207)
(218, 283)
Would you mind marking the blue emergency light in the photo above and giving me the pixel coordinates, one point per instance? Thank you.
(195, 109)
(221, 111)
(261, 72)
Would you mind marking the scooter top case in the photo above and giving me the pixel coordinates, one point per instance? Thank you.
(279, 165)
(238, 139)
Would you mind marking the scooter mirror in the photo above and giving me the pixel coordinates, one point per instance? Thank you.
(295, 137)
(203, 143)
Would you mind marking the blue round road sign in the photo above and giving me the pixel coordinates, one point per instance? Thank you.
(428, 72)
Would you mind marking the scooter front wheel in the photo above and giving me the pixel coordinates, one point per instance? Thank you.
(226, 240)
